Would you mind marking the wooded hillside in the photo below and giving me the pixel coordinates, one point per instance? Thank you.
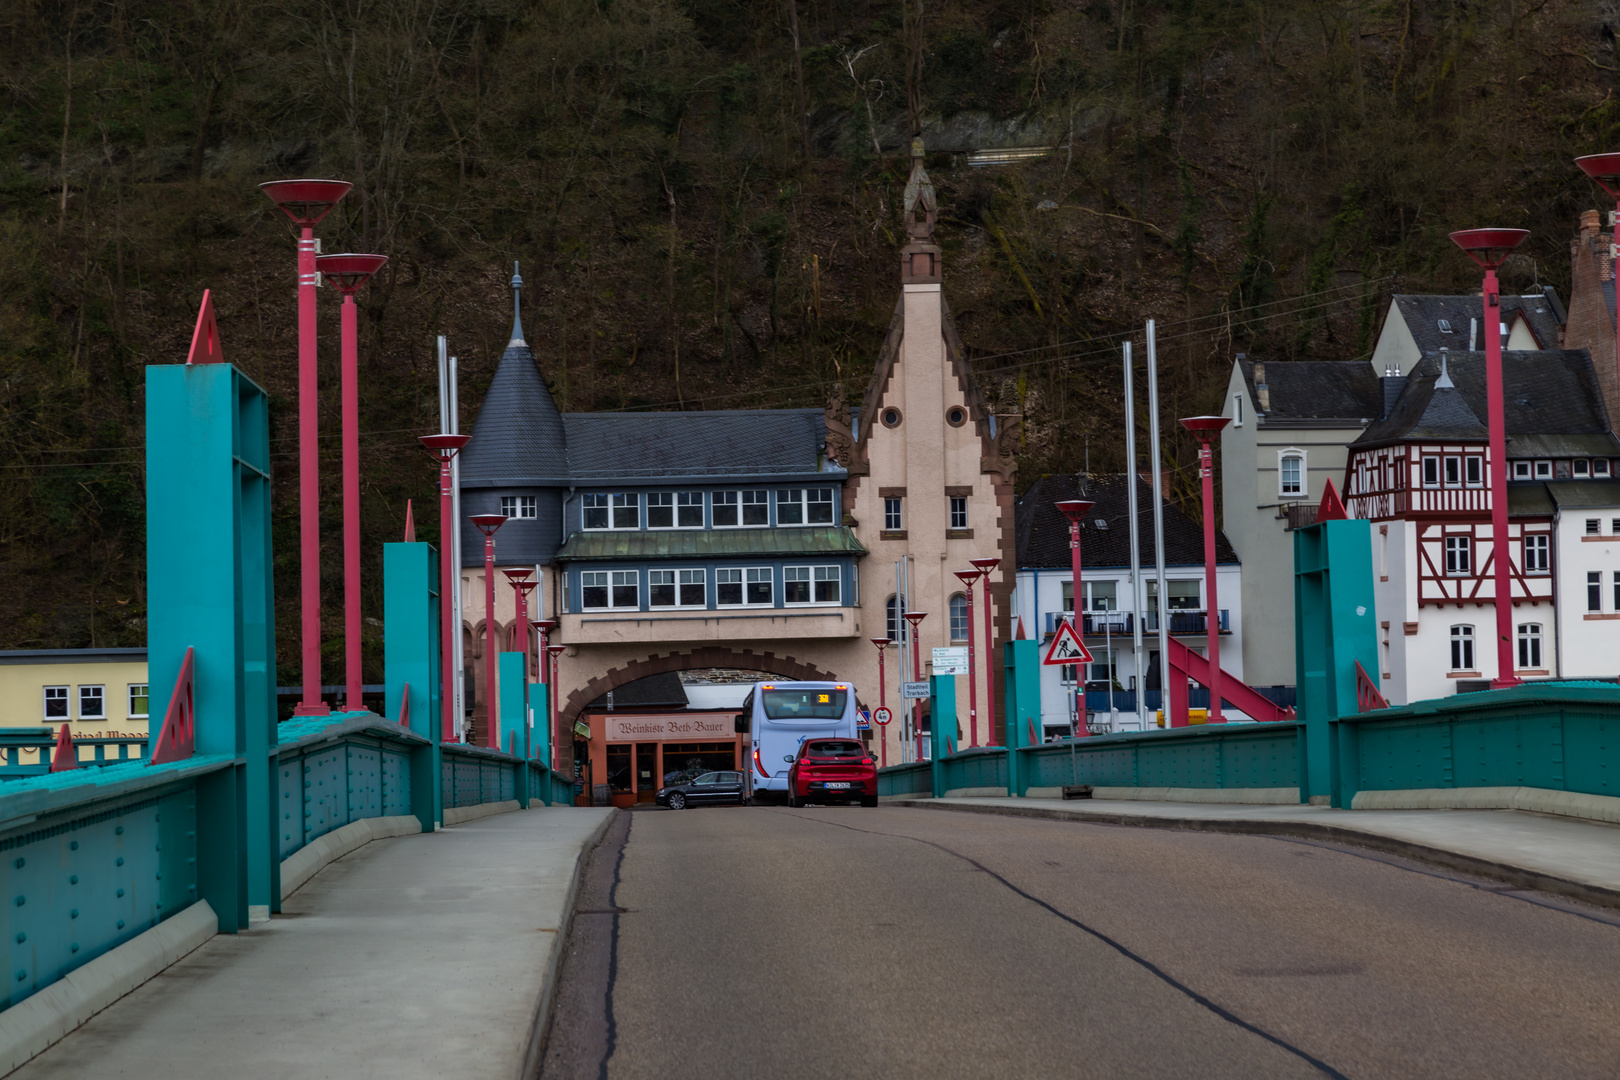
(704, 198)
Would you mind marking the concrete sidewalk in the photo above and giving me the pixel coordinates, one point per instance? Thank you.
(421, 956)
(1569, 856)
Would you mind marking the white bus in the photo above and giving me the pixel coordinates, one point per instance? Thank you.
(778, 716)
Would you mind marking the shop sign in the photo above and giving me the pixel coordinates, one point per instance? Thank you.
(672, 728)
(582, 730)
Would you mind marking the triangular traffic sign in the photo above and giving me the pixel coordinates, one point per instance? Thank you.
(1066, 647)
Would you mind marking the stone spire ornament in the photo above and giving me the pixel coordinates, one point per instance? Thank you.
(517, 309)
(919, 259)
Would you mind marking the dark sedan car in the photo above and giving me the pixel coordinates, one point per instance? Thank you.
(711, 787)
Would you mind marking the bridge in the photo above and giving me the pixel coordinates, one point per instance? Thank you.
(1349, 890)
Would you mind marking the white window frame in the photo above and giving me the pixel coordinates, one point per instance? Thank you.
(958, 601)
(1237, 410)
(100, 692)
(1304, 491)
(1537, 549)
(814, 502)
(894, 513)
(145, 695)
(1544, 470)
(1459, 556)
(760, 500)
(814, 576)
(626, 503)
(688, 501)
(955, 503)
(1462, 647)
(793, 502)
(664, 500)
(612, 584)
(1600, 466)
(726, 504)
(56, 693)
(1427, 464)
(1594, 590)
(1477, 462)
(1528, 640)
(1451, 472)
(1522, 470)
(520, 507)
(680, 579)
(1580, 467)
(595, 500)
(746, 576)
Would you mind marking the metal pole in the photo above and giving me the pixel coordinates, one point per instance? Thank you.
(1080, 731)
(1212, 611)
(1156, 457)
(1136, 548)
(453, 545)
(448, 630)
(1501, 557)
(969, 580)
(351, 501)
(491, 734)
(984, 566)
(882, 645)
(309, 483)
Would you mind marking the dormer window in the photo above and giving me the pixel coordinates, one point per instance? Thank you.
(1445, 326)
(1544, 470)
(1521, 470)
(1581, 467)
(1600, 467)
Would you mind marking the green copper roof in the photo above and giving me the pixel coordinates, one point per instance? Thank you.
(710, 543)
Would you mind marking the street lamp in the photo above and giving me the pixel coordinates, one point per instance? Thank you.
(984, 566)
(348, 273)
(1206, 428)
(1605, 169)
(913, 618)
(968, 578)
(1490, 249)
(306, 202)
(521, 588)
(445, 448)
(1074, 510)
(882, 643)
(554, 651)
(487, 524)
(545, 626)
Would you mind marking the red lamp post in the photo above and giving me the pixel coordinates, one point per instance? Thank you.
(1605, 169)
(348, 273)
(1206, 428)
(1490, 249)
(882, 644)
(556, 736)
(544, 627)
(446, 447)
(487, 524)
(984, 566)
(521, 588)
(306, 202)
(913, 618)
(1074, 510)
(968, 578)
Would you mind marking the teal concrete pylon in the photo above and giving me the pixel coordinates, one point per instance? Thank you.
(411, 660)
(942, 727)
(1335, 626)
(1021, 679)
(210, 589)
(514, 707)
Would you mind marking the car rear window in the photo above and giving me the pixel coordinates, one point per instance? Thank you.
(840, 748)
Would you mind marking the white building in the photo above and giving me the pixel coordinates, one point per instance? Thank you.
(1045, 593)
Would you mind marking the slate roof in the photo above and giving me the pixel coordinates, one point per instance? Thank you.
(1585, 494)
(517, 440)
(1551, 398)
(738, 443)
(1043, 531)
(1423, 314)
(835, 540)
(1317, 389)
(663, 690)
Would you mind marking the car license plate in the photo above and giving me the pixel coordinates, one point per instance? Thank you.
(838, 784)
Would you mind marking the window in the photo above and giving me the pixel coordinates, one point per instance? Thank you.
(725, 509)
(1462, 648)
(140, 701)
(790, 507)
(1544, 470)
(1529, 645)
(1581, 467)
(660, 510)
(819, 506)
(1431, 472)
(675, 588)
(1101, 595)
(1614, 526)
(1291, 472)
(56, 703)
(1594, 591)
(1594, 527)
(756, 508)
(740, 588)
(596, 511)
(1535, 553)
(892, 618)
(626, 511)
(1237, 410)
(609, 589)
(675, 510)
(1600, 467)
(1617, 590)
(1521, 470)
(810, 584)
(959, 618)
(518, 506)
(1453, 471)
(1181, 595)
(92, 703)
(958, 512)
(893, 520)
(1459, 555)
(891, 417)
(1445, 326)
(1474, 471)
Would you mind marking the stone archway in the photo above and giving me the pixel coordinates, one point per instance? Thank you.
(708, 657)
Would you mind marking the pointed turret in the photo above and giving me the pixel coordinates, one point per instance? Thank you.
(517, 309)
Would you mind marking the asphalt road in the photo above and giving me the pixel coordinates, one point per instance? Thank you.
(765, 942)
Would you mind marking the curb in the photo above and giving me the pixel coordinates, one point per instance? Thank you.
(548, 979)
(309, 860)
(1519, 876)
(457, 815)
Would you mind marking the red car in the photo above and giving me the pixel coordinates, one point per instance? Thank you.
(832, 770)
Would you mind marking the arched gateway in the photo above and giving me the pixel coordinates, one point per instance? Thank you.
(787, 667)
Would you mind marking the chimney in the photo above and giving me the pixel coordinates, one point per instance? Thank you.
(1390, 387)
(1261, 390)
(1591, 222)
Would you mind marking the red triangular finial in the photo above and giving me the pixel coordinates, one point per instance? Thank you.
(1332, 507)
(410, 524)
(65, 756)
(205, 347)
(1019, 636)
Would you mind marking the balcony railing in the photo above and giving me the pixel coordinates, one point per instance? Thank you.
(1118, 623)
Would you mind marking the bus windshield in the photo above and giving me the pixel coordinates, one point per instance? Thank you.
(784, 703)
